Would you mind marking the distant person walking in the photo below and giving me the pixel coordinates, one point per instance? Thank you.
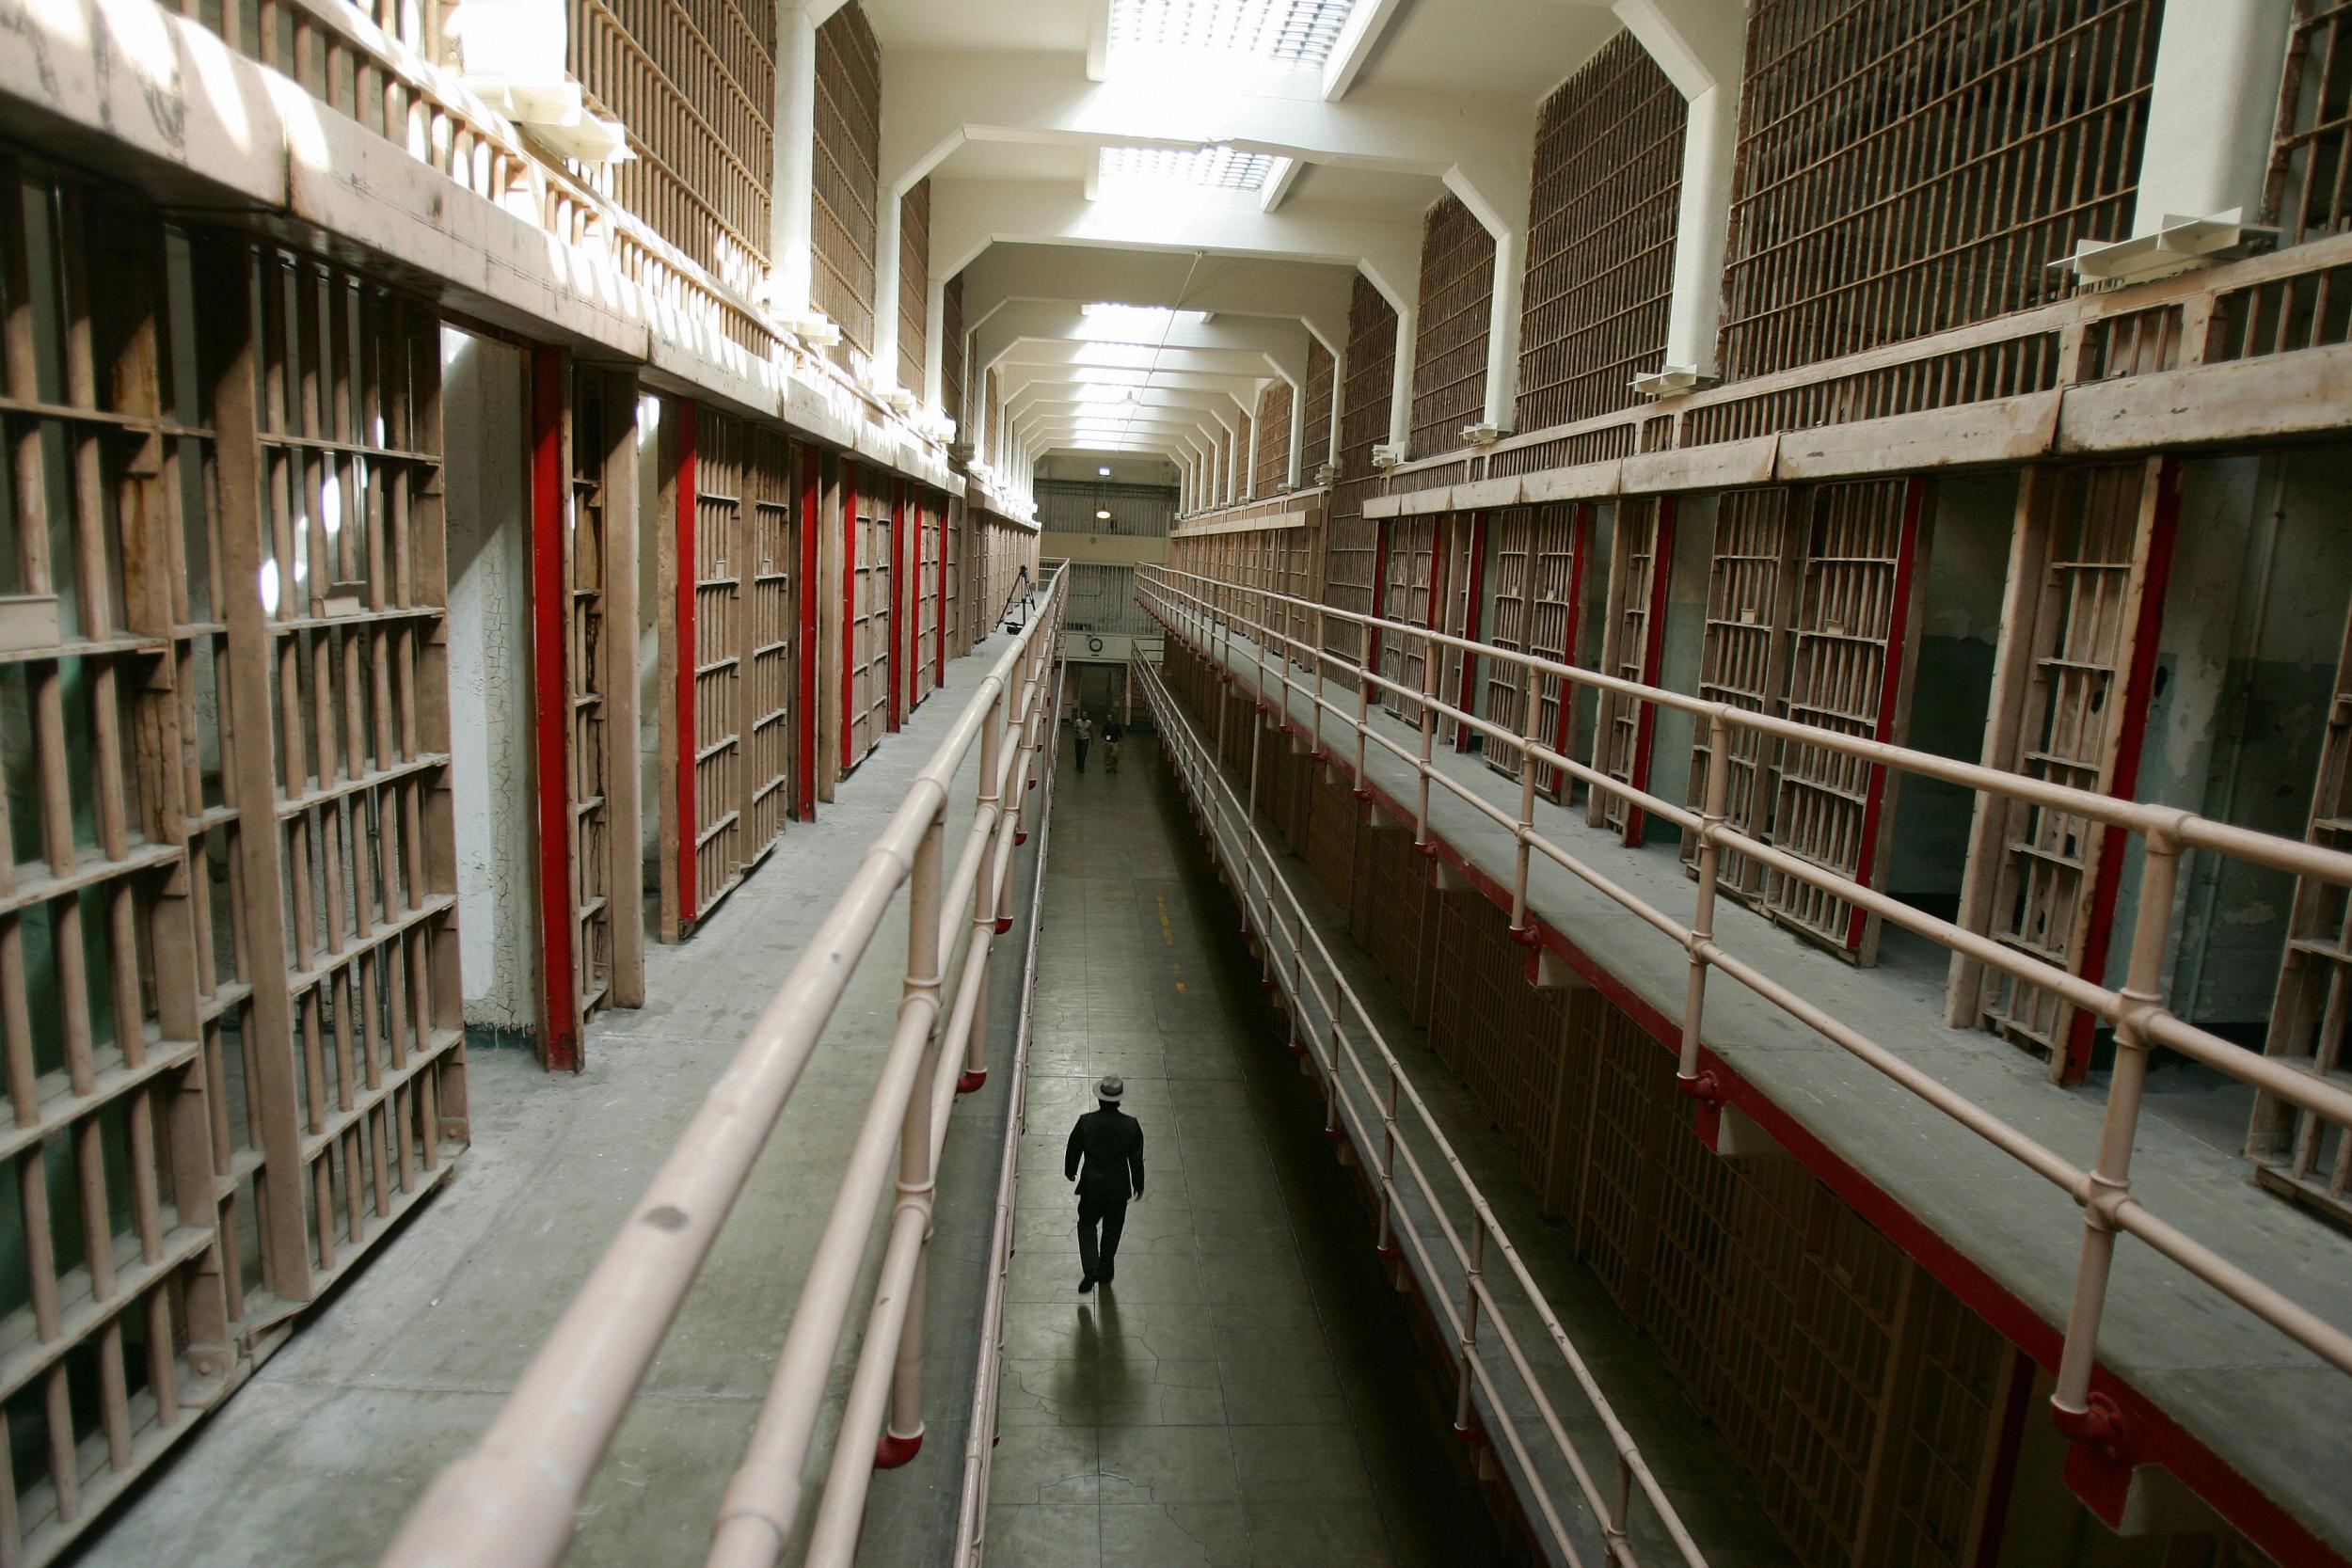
(1083, 732)
(1105, 1160)
(1113, 732)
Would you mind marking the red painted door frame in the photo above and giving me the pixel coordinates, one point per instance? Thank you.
(550, 605)
(1890, 688)
(901, 686)
(1653, 653)
(2139, 686)
(1470, 615)
(812, 466)
(688, 737)
(849, 611)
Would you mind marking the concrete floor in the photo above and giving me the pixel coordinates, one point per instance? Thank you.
(1247, 1390)
(317, 1459)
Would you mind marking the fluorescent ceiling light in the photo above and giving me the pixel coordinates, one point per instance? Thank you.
(1103, 513)
(1105, 472)
(1279, 32)
(1212, 168)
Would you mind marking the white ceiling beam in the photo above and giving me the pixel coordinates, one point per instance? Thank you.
(1277, 189)
(1281, 344)
(968, 215)
(1359, 40)
(1098, 40)
(1313, 293)
(931, 97)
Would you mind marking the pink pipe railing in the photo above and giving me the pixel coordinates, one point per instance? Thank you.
(513, 1501)
(1230, 624)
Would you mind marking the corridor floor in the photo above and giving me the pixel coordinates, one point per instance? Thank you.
(1248, 1390)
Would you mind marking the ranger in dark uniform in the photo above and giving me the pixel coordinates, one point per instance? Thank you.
(1109, 1143)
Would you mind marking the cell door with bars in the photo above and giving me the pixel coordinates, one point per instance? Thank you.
(145, 1232)
(585, 434)
(1743, 660)
(771, 557)
(716, 761)
(929, 524)
(2106, 557)
(1635, 642)
(1510, 572)
(951, 528)
(1463, 576)
(1853, 650)
(2297, 1152)
(1408, 593)
(870, 581)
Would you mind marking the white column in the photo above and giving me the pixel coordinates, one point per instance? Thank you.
(1248, 475)
(889, 230)
(789, 219)
(1401, 389)
(1298, 434)
(1700, 45)
(936, 345)
(1703, 231)
(1503, 329)
(2211, 113)
(1339, 385)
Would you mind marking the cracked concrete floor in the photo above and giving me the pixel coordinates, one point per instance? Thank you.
(1248, 1390)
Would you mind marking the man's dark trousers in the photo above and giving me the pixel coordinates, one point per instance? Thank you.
(1111, 1214)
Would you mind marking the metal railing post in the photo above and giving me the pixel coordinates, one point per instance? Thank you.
(904, 1432)
(1471, 1276)
(1526, 829)
(2079, 1413)
(984, 889)
(1365, 657)
(1703, 917)
(1314, 745)
(1387, 1244)
(1429, 661)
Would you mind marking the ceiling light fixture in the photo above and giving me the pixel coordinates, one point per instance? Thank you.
(1281, 32)
(1103, 512)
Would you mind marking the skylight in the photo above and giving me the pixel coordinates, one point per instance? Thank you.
(1224, 168)
(1280, 32)
(1139, 324)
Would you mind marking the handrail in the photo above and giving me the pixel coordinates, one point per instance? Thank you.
(1348, 1082)
(980, 1442)
(1201, 612)
(513, 1501)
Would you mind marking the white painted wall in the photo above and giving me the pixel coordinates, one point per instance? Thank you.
(486, 386)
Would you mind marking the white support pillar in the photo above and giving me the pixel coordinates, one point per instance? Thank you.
(789, 217)
(1700, 45)
(936, 346)
(1339, 385)
(2212, 110)
(889, 228)
(1503, 329)
(1401, 388)
(1298, 434)
(1498, 198)
(1248, 475)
